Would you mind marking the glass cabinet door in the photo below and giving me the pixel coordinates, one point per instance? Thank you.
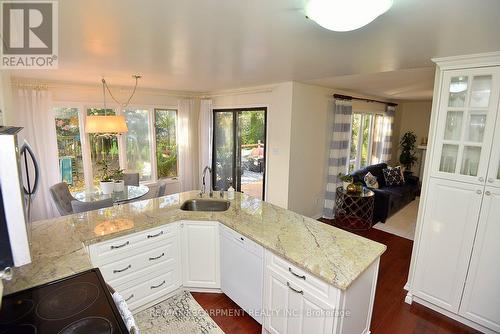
(466, 120)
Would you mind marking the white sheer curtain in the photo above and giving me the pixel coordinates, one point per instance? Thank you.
(187, 141)
(34, 113)
(205, 132)
(388, 124)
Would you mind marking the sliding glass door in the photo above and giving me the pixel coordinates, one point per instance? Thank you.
(239, 147)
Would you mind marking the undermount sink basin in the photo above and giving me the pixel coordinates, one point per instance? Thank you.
(205, 205)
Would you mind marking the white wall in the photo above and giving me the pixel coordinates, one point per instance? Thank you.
(278, 100)
(411, 116)
(5, 99)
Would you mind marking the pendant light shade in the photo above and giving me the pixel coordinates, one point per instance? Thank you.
(105, 124)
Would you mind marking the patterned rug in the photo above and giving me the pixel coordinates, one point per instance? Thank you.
(178, 314)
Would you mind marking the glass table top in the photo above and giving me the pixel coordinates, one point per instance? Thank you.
(129, 193)
(365, 193)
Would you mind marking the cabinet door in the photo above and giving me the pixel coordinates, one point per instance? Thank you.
(494, 168)
(291, 309)
(466, 122)
(481, 300)
(449, 224)
(200, 254)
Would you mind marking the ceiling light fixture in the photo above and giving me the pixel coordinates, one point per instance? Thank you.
(109, 124)
(345, 15)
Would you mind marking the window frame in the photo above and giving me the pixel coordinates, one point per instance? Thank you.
(82, 108)
(371, 131)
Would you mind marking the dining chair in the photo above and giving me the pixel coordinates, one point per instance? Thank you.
(131, 179)
(79, 206)
(161, 189)
(62, 198)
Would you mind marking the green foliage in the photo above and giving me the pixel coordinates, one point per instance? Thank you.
(407, 145)
(166, 145)
(345, 177)
(105, 171)
(117, 174)
(252, 127)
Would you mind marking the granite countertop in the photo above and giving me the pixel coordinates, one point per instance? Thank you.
(58, 246)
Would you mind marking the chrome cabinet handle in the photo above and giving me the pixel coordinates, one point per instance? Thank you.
(481, 179)
(296, 275)
(157, 257)
(479, 192)
(157, 286)
(488, 193)
(120, 246)
(122, 270)
(131, 296)
(155, 235)
(294, 290)
(490, 180)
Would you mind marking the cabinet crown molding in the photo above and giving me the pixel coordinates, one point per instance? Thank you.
(468, 61)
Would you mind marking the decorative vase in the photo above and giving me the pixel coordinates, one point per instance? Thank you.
(352, 188)
(119, 186)
(107, 187)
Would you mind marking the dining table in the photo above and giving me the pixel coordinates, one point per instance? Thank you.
(128, 194)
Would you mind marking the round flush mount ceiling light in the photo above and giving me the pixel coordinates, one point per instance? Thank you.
(345, 15)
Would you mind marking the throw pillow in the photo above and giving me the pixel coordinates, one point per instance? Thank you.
(393, 176)
(371, 180)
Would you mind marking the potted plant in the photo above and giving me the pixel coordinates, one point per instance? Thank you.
(106, 181)
(346, 180)
(119, 184)
(407, 158)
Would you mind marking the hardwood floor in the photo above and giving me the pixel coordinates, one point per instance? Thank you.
(391, 315)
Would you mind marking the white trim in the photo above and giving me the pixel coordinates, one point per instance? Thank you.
(468, 61)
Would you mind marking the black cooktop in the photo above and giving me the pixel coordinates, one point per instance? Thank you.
(79, 304)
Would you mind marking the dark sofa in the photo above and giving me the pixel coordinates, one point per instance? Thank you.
(388, 199)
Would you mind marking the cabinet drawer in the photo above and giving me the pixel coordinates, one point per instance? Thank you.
(143, 292)
(113, 271)
(245, 242)
(297, 276)
(122, 247)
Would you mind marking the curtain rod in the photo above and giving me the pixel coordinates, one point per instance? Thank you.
(347, 97)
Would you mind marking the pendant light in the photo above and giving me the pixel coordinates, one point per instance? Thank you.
(109, 124)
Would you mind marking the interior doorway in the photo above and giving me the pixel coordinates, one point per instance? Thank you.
(239, 150)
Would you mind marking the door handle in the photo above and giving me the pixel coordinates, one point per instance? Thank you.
(481, 179)
(479, 192)
(157, 286)
(157, 257)
(131, 296)
(122, 270)
(297, 275)
(488, 193)
(155, 235)
(490, 180)
(294, 290)
(120, 246)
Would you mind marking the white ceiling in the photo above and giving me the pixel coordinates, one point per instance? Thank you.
(207, 45)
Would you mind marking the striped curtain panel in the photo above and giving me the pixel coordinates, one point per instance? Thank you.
(386, 152)
(338, 157)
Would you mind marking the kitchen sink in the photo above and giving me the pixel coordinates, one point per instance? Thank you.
(205, 205)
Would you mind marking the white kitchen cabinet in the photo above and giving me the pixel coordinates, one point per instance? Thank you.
(200, 254)
(446, 241)
(493, 178)
(454, 267)
(294, 309)
(466, 124)
(297, 302)
(481, 300)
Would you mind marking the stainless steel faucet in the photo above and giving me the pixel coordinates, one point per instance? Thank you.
(203, 186)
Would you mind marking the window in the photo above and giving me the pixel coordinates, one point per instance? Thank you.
(166, 142)
(102, 147)
(69, 147)
(366, 140)
(133, 151)
(138, 144)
